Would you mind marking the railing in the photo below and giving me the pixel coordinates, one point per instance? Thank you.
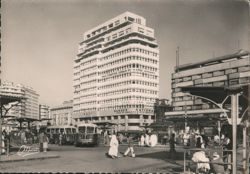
(216, 164)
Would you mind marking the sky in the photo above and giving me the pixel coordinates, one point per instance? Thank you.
(40, 37)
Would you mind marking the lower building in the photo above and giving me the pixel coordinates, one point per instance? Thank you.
(62, 114)
(27, 108)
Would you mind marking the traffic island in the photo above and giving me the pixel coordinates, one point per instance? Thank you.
(27, 156)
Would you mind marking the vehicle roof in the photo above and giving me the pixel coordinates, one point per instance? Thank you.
(61, 126)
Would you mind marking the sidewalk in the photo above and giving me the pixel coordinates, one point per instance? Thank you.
(15, 157)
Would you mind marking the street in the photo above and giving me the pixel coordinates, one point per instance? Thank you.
(93, 159)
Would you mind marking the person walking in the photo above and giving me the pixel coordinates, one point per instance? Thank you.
(45, 142)
(113, 147)
(41, 135)
(147, 139)
(130, 146)
(142, 140)
(172, 151)
(60, 139)
(199, 143)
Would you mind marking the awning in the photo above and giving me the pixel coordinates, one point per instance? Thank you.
(199, 117)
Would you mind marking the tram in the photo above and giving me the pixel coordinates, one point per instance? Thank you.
(87, 134)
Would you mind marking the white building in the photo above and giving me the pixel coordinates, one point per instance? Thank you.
(43, 111)
(62, 115)
(28, 108)
(116, 73)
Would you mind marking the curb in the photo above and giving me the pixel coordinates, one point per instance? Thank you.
(28, 159)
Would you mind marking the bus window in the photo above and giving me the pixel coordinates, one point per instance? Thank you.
(68, 130)
(57, 130)
(61, 130)
(48, 130)
(74, 130)
(81, 129)
(52, 131)
(90, 130)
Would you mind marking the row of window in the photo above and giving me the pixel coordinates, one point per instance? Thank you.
(129, 90)
(128, 67)
(195, 107)
(120, 33)
(128, 50)
(212, 74)
(127, 98)
(128, 82)
(88, 75)
(126, 75)
(91, 61)
(128, 59)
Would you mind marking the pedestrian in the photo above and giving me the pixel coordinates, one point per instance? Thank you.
(186, 139)
(172, 142)
(60, 139)
(227, 152)
(147, 139)
(153, 140)
(130, 146)
(41, 135)
(142, 140)
(45, 142)
(23, 137)
(199, 141)
(216, 140)
(3, 145)
(113, 147)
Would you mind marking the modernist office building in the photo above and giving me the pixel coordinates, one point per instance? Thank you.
(62, 114)
(116, 73)
(29, 107)
(230, 70)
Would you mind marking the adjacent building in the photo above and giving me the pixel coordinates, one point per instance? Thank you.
(116, 73)
(43, 111)
(62, 114)
(27, 108)
(230, 70)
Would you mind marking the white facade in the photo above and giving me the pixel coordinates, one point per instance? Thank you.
(116, 73)
(43, 111)
(62, 115)
(28, 108)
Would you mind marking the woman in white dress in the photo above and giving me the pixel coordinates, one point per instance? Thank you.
(113, 149)
(153, 140)
(147, 139)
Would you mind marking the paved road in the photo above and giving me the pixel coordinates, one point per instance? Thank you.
(82, 159)
(93, 159)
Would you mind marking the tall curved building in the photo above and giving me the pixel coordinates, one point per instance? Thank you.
(116, 73)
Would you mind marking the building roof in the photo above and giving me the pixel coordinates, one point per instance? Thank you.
(211, 61)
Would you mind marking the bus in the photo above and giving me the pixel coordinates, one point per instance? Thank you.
(86, 134)
(68, 134)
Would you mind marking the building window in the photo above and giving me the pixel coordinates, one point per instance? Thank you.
(110, 25)
(131, 19)
(117, 22)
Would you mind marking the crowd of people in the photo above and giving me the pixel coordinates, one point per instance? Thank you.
(196, 143)
(29, 137)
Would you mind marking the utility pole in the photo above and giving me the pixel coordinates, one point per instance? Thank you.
(234, 116)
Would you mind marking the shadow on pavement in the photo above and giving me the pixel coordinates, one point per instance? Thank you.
(163, 155)
(176, 164)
